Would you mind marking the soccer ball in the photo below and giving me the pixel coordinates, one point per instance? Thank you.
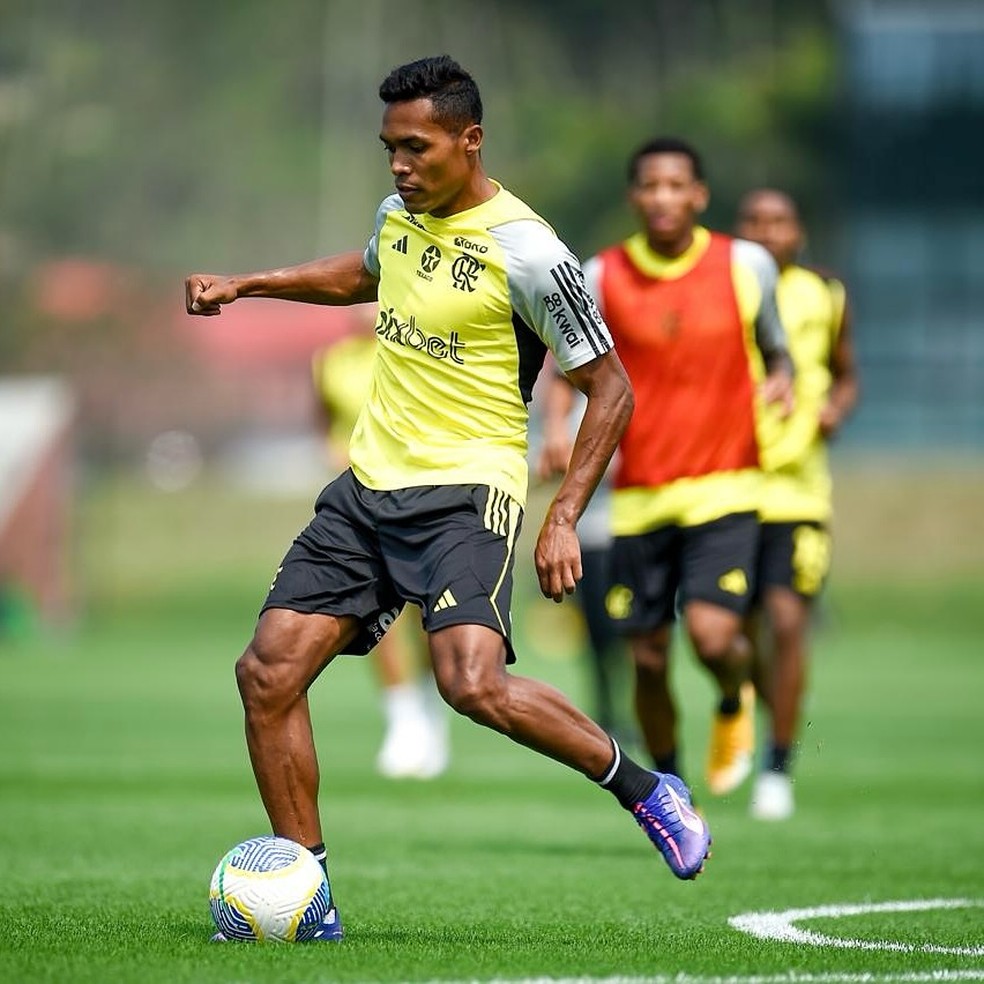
(269, 888)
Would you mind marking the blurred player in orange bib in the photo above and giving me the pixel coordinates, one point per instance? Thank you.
(694, 320)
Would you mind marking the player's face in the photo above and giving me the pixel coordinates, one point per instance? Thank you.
(770, 219)
(431, 165)
(668, 197)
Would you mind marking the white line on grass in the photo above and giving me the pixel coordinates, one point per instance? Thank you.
(780, 926)
(925, 977)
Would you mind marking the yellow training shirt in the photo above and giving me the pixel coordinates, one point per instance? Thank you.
(468, 306)
(794, 455)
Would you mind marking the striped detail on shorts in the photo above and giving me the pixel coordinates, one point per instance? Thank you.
(500, 512)
(502, 515)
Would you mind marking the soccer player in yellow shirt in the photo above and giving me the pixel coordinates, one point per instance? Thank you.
(473, 287)
(795, 509)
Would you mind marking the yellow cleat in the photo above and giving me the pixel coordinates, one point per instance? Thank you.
(729, 761)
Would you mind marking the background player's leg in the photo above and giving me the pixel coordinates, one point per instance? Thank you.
(656, 709)
(722, 648)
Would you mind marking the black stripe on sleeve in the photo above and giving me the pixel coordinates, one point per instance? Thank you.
(570, 282)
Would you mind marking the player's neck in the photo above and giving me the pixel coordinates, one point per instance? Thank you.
(672, 248)
(479, 189)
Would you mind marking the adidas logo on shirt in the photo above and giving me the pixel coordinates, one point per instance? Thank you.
(400, 245)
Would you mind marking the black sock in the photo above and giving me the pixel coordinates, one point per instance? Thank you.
(628, 782)
(729, 705)
(667, 763)
(779, 756)
(321, 856)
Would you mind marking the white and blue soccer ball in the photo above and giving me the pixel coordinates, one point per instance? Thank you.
(269, 889)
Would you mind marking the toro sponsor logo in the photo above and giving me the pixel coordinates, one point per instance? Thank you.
(470, 244)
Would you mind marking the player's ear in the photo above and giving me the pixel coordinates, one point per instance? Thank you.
(472, 138)
(702, 197)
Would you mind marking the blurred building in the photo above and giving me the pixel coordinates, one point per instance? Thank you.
(915, 218)
(36, 464)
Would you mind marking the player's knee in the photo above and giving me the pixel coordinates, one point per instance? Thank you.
(261, 687)
(715, 647)
(475, 695)
(716, 636)
(651, 656)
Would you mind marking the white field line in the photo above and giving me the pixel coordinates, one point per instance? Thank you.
(781, 926)
(924, 977)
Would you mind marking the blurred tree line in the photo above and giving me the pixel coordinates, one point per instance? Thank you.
(169, 135)
(171, 132)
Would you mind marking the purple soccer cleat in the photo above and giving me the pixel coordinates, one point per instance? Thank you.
(672, 824)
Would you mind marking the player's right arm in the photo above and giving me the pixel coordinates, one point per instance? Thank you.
(335, 280)
(557, 554)
(770, 335)
(555, 452)
(844, 390)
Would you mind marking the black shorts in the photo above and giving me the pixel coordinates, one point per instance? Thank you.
(446, 548)
(794, 556)
(655, 573)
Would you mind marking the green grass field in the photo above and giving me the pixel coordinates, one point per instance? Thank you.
(123, 779)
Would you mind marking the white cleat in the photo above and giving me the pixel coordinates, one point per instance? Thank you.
(413, 750)
(772, 797)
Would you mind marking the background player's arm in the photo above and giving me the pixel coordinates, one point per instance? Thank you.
(770, 335)
(555, 454)
(558, 554)
(845, 388)
(339, 279)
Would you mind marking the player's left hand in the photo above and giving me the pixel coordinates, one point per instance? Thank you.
(777, 387)
(830, 420)
(558, 559)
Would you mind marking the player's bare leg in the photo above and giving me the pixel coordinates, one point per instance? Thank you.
(720, 645)
(415, 743)
(287, 653)
(717, 638)
(654, 704)
(788, 618)
(470, 670)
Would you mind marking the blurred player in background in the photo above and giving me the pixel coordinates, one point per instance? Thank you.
(608, 660)
(473, 288)
(795, 507)
(415, 744)
(694, 320)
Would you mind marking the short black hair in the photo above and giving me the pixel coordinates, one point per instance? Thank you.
(451, 90)
(665, 145)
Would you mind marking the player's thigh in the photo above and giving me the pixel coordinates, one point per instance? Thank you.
(650, 650)
(787, 611)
